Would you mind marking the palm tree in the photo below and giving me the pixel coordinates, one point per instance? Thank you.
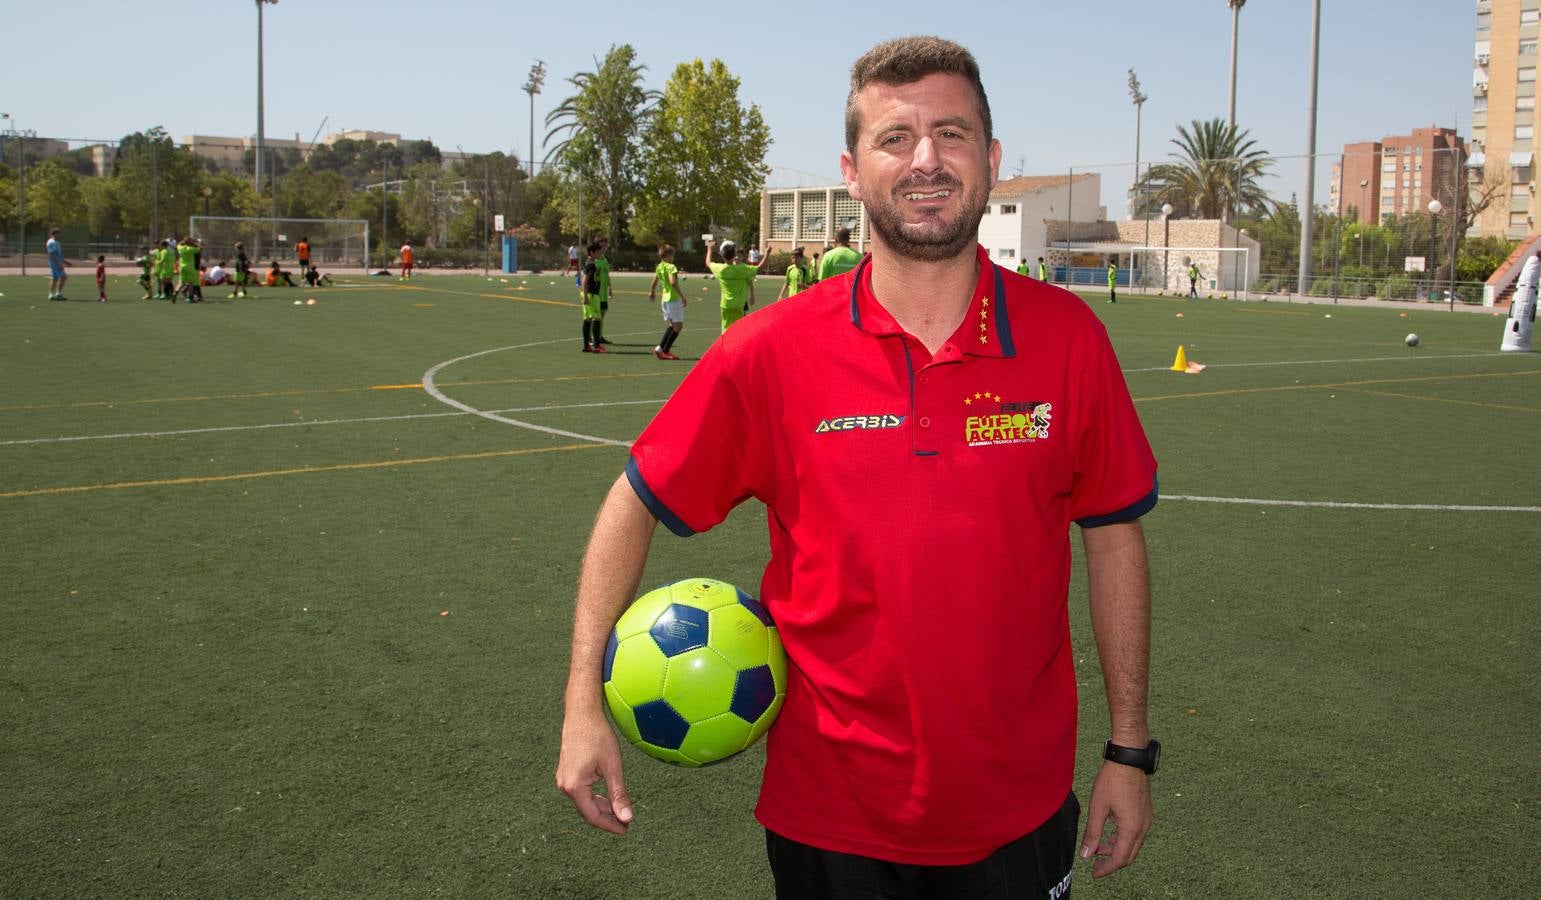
(598, 130)
(1215, 174)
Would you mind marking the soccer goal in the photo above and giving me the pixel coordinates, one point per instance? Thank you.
(1221, 269)
(335, 244)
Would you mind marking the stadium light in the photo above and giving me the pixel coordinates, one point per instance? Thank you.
(532, 87)
(259, 94)
(1166, 245)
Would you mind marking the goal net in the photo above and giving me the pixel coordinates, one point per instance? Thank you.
(1229, 270)
(335, 244)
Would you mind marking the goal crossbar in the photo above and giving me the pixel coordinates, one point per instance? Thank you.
(334, 243)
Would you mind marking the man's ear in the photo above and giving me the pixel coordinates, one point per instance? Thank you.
(848, 172)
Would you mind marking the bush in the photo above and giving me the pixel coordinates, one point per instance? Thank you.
(1397, 287)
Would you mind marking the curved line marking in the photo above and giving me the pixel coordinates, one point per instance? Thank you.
(1336, 504)
(435, 393)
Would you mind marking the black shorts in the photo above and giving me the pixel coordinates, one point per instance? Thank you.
(1037, 865)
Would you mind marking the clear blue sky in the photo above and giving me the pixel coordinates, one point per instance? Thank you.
(451, 70)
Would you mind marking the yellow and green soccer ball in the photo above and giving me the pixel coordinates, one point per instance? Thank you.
(694, 672)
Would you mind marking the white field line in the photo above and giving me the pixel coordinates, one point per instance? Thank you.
(1336, 504)
(435, 393)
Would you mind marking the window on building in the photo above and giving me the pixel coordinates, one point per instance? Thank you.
(1008, 209)
(1520, 103)
(988, 209)
(1527, 17)
(1518, 218)
(1526, 75)
(1528, 47)
(1524, 132)
(1479, 104)
(1008, 253)
(1389, 167)
(1484, 21)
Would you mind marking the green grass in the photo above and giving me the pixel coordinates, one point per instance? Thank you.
(226, 666)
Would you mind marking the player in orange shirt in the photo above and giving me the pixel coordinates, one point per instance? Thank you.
(406, 261)
(302, 253)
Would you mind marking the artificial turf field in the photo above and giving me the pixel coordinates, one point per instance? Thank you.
(274, 621)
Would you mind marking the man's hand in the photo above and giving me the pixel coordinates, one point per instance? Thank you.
(590, 753)
(1121, 798)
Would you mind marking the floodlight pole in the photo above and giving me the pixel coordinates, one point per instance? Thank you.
(1139, 105)
(532, 87)
(1235, 6)
(259, 95)
(1306, 218)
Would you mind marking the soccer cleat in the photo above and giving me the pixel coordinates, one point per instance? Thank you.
(668, 355)
(587, 349)
(658, 352)
(599, 348)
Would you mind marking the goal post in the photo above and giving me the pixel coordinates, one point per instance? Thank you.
(335, 244)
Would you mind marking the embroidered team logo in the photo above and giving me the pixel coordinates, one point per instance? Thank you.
(858, 423)
(992, 420)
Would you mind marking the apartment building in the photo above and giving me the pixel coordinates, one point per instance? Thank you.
(1398, 174)
(1504, 114)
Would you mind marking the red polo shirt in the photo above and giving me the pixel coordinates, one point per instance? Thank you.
(919, 512)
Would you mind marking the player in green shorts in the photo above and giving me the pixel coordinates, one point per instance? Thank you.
(187, 271)
(590, 294)
(145, 263)
(797, 275)
(602, 265)
(736, 280)
(840, 258)
(165, 271)
(242, 271)
(667, 274)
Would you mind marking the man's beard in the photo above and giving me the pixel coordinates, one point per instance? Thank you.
(933, 239)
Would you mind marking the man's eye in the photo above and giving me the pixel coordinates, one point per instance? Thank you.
(892, 139)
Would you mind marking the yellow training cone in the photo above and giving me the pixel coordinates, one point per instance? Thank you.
(1180, 364)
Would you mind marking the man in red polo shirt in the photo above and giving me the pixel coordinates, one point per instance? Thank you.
(922, 464)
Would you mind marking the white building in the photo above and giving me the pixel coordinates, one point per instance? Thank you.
(1015, 225)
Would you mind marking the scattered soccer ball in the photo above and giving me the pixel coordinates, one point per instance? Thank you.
(695, 672)
(1412, 340)
(311, 302)
(298, 303)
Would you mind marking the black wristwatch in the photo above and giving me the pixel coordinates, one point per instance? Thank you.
(1143, 758)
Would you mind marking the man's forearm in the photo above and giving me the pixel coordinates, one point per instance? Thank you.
(1119, 582)
(612, 567)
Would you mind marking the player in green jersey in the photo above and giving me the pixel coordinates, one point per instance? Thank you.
(840, 258)
(1112, 282)
(1043, 270)
(1023, 268)
(797, 275)
(667, 274)
(736, 280)
(165, 270)
(187, 270)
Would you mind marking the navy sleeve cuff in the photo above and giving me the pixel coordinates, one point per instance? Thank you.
(1127, 514)
(655, 506)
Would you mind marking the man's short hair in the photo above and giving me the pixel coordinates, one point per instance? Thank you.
(665, 251)
(797, 251)
(842, 235)
(905, 61)
(595, 246)
(729, 250)
(54, 232)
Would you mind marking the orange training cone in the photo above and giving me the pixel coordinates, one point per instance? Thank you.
(1180, 364)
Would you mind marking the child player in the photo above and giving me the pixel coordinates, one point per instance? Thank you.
(667, 274)
(602, 264)
(145, 262)
(187, 270)
(797, 275)
(101, 279)
(406, 261)
(591, 299)
(165, 267)
(242, 271)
